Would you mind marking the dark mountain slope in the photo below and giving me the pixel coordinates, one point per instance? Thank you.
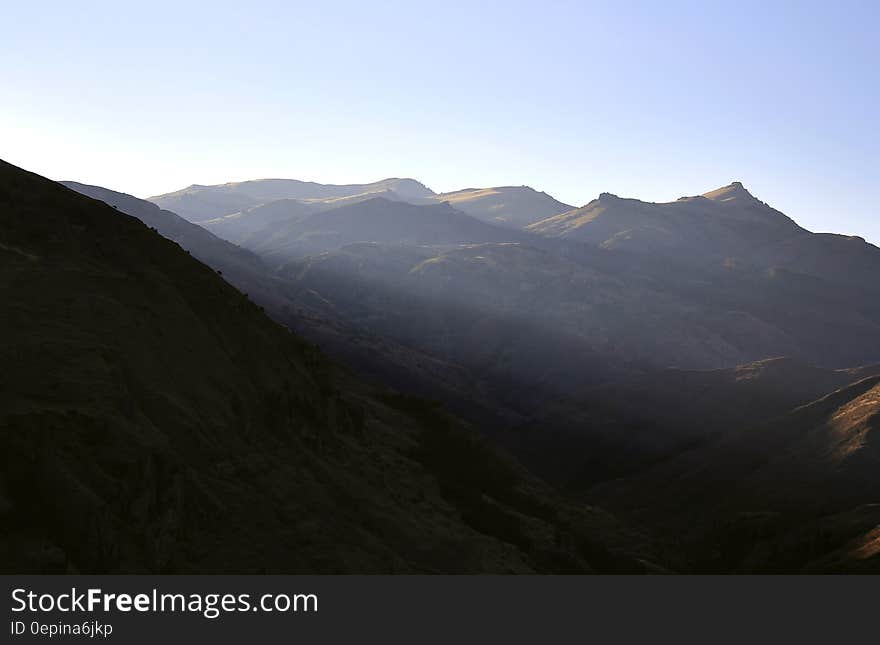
(380, 359)
(210, 249)
(777, 495)
(724, 399)
(153, 419)
(241, 268)
(617, 429)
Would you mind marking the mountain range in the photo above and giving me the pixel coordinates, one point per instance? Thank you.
(376, 377)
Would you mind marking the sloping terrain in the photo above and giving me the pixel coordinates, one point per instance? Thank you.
(381, 359)
(789, 493)
(259, 221)
(720, 224)
(728, 227)
(208, 248)
(625, 351)
(241, 268)
(152, 418)
(515, 206)
(632, 310)
(620, 428)
(374, 220)
(197, 203)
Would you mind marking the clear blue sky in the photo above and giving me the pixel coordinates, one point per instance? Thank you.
(645, 99)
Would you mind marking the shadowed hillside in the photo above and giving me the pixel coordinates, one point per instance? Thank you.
(795, 492)
(618, 429)
(208, 248)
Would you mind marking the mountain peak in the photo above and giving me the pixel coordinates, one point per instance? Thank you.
(731, 191)
(408, 187)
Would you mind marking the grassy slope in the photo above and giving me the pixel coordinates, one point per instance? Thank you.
(790, 493)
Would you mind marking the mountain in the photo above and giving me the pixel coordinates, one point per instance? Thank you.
(260, 221)
(720, 224)
(515, 206)
(241, 268)
(600, 362)
(234, 210)
(477, 306)
(632, 309)
(780, 494)
(374, 220)
(620, 428)
(153, 419)
(727, 226)
(196, 203)
(259, 224)
(380, 359)
(685, 365)
(846, 260)
(208, 248)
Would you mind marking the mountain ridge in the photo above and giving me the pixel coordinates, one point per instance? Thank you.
(199, 202)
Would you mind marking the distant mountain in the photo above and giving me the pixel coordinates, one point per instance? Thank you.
(633, 310)
(727, 226)
(197, 203)
(260, 221)
(709, 291)
(153, 419)
(456, 306)
(843, 259)
(515, 206)
(530, 326)
(236, 209)
(720, 224)
(374, 220)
